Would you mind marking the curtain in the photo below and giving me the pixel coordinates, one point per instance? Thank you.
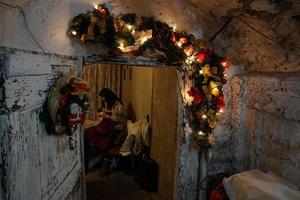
(99, 76)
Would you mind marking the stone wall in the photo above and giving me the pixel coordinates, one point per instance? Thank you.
(259, 126)
(265, 124)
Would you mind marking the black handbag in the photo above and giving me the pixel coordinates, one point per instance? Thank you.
(146, 172)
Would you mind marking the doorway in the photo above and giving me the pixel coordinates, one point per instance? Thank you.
(145, 91)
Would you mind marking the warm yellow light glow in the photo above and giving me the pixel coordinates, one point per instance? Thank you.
(179, 44)
(144, 39)
(211, 139)
(186, 97)
(225, 75)
(215, 91)
(201, 71)
(225, 64)
(129, 27)
(174, 28)
(204, 116)
(96, 6)
(221, 110)
(121, 45)
(206, 70)
(200, 133)
(74, 33)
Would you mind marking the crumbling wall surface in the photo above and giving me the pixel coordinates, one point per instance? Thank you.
(259, 126)
(266, 122)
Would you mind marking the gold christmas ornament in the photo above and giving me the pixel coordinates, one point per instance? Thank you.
(214, 90)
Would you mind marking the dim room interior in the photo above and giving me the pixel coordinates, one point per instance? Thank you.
(149, 100)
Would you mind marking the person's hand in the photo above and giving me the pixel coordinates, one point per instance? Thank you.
(103, 115)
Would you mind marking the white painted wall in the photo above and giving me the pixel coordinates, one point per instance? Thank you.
(48, 21)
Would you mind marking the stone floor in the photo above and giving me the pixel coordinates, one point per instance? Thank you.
(119, 186)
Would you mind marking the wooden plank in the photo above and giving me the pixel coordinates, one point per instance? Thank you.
(24, 63)
(125, 60)
(57, 161)
(35, 165)
(4, 130)
(2, 84)
(27, 91)
(23, 157)
(71, 188)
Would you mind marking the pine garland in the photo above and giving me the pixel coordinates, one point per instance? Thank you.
(203, 70)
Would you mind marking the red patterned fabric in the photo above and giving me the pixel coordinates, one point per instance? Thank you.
(100, 135)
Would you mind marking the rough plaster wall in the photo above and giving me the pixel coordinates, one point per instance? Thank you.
(263, 126)
(262, 37)
(266, 124)
(265, 35)
(164, 126)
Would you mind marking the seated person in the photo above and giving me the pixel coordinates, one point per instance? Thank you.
(112, 119)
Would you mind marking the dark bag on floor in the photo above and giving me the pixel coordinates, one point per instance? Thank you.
(146, 173)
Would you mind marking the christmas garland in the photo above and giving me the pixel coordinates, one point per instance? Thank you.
(203, 71)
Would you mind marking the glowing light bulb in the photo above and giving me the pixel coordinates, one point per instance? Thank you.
(74, 33)
(129, 26)
(174, 28)
(225, 64)
(221, 110)
(201, 71)
(225, 75)
(200, 133)
(204, 116)
(121, 45)
(96, 7)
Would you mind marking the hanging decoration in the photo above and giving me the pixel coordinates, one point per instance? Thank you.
(203, 71)
(66, 106)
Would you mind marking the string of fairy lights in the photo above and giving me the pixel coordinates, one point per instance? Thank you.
(203, 71)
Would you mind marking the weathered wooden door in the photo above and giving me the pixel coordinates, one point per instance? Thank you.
(33, 163)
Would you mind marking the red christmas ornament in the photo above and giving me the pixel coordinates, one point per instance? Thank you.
(201, 57)
(183, 40)
(220, 102)
(188, 50)
(197, 96)
(224, 81)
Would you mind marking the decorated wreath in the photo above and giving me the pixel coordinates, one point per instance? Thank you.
(203, 71)
(66, 105)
